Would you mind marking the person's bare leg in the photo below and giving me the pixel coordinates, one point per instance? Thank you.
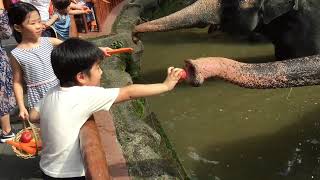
(5, 124)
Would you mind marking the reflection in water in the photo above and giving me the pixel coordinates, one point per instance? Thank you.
(293, 162)
(222, 131)
(193, 155)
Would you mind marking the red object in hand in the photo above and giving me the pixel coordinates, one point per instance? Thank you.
(183, 75)
(26, 137)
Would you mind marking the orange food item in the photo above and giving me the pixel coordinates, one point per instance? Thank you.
(27, 149)
(120, 50)
(32, 143)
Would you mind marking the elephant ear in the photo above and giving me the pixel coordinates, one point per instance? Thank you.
(271, 9)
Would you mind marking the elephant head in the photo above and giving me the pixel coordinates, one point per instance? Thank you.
(239, 15)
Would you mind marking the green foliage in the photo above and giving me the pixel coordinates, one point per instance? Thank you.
(139, 106)
(116, 45)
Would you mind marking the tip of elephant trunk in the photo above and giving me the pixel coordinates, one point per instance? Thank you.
(194, 77)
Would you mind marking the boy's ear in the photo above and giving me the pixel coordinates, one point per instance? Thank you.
(81, 78)
(17, 27)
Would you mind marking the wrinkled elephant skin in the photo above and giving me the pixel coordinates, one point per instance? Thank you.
(304, 71)
(293, 26)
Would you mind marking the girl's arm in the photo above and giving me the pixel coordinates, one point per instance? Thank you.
(55, 41)
(51, 20)
(18, 87)
(105, 50)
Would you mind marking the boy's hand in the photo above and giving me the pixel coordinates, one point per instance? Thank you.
(173, 76)
(23, 114)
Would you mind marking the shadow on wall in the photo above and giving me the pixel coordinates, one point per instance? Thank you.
(290, 154)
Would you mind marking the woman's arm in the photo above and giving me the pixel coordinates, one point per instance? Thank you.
(18, 87)
(5, 30)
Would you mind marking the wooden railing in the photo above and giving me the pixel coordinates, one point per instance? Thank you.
(102, 9)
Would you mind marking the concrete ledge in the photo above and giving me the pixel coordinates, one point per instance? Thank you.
(115, 159)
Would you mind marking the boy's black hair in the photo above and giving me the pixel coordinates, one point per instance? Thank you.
(73, 56)
(61, 4)
(17, 13)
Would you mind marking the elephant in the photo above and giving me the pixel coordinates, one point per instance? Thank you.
(293, 26)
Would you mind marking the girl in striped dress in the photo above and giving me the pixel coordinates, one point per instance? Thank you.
(31, 62)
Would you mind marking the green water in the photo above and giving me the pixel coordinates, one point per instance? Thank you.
(224, 132)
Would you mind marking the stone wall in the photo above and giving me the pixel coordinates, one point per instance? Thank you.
(146, 148)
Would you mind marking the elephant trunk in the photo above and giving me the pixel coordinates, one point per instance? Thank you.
(264, 75)
(200, 12)
(303, 71)
(200, 69)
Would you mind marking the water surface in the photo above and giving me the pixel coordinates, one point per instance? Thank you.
(222, 131)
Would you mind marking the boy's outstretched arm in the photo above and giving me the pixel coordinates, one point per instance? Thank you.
(143, 90)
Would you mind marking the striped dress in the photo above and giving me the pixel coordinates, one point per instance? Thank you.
(37, 70)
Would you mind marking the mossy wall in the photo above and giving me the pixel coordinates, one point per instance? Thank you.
(147, 150)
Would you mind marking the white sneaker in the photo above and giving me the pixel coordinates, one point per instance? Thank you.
(5, 137)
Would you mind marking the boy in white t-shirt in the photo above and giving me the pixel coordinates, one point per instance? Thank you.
(65, 109)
